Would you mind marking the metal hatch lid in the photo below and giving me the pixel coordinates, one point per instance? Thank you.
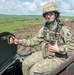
(7, 51)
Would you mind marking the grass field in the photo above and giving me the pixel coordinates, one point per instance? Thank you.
(10, 22)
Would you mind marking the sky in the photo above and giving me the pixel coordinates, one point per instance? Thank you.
(34, 7)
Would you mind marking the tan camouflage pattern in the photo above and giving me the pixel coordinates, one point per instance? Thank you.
(30, 61)
(33, 41)
(51, 6)
(39, 64)
(45, 65)
(35, 62)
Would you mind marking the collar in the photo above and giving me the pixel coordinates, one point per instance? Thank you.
(51, 25)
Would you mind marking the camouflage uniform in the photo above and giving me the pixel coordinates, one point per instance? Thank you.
(36, 62)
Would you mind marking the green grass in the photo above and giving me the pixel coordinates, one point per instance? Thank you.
(9, 27)
(67, 17)
(10, 22)
(12, 18)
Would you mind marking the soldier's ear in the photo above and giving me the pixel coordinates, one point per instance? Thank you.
(56, 15)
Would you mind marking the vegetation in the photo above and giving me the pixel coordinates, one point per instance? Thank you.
(9, 22)
(67, 17)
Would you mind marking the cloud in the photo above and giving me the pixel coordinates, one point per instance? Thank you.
(71, 5)
(17, 7)
(29, 8)
(68, 8)
(8, 6)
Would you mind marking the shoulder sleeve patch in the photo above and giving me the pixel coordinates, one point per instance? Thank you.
(69, 33)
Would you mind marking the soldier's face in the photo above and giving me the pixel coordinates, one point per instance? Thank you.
(50, 16)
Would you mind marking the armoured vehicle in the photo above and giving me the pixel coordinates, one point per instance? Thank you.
(10, 60)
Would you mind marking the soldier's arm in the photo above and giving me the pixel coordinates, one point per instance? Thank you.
(68, 38)
(33, 41)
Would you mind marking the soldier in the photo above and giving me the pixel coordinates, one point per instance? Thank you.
(56, 41)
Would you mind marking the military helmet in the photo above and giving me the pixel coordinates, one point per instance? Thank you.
(49, 7)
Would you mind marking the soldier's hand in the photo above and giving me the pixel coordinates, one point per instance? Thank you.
(13, 40)
(54, 48)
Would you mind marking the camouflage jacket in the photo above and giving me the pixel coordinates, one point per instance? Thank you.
(65, 40)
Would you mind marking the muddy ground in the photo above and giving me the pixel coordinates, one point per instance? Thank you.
(29, 31)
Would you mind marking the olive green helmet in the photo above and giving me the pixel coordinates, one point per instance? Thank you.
(49, 7)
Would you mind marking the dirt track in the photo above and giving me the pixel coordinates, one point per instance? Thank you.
(30, 31)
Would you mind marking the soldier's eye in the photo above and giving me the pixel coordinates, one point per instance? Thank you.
(50, 13)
